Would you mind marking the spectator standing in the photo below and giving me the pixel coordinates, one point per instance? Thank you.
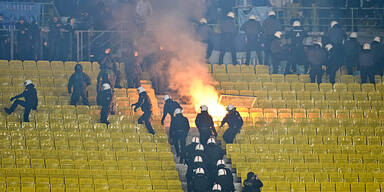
(378, 55)
(351, 51)
(227, 38)
(205, 33)
(270, 26)
(253, 32)
(317, 57)
(297, 53)
(367, 65)
(54, 38)
(23, 40)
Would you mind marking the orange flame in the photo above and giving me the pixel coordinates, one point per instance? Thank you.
(203, 94)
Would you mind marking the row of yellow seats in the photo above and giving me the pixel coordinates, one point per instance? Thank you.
(323, 186)
(216, 68)
(318, 122)
(17, 75)
(41, 64)
(311, 139)
(307, 149)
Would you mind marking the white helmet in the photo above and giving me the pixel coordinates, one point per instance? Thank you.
(211, 140)
(278, 34)
(231, 15)
(230, 107)
(318, 43)
(177, 111)
(329, 47)
(271, 13)
(203, 21)
(198, 159)
(252, 17)
(377, 39)
(216, 187)
(204, 108)
(166, 97)
(199, 147)
(220, 162)
(333, 23)
(200, 171)
(106, 86)
(27, 82)
(195, 139)
(353, 35)
(296, 24)
(140, 89)
(222, 172)
(366, 46)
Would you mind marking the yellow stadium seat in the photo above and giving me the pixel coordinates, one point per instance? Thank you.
(255, 86)
(219, 68)
(311, 87)
(353, 87)
(368, 87)
(235, 77)
(304, 78)
(291, 78)
(347, 79)
(372, 187)
(303, 95)
(277, 78)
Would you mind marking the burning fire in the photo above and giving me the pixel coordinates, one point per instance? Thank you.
(202, 94)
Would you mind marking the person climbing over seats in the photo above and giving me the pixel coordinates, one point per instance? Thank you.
(169, 108)
(188, 150)
(30, 100)
(178, 131)
(205, 125)
(106, 100)
(252, 183)
(235, 123)
(79, 81)
(145, 104)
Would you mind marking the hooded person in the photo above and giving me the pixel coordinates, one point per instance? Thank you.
(188, 150)
(224, 178)
(199, 181)
(297, 54)
(178, 131)
(252, 183)
(351, 53)
(169, 108)
(252, 29)
(235, 123)
(133, 60)
(317, 57)
(108, 63)
(270, 26)
(79, 81)
(367, 64)
(106, 98)
(30, 100)
(146, 106)
(227, 38)
(213, 154)
(205, 125)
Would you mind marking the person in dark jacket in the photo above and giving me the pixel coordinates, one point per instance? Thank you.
(23, 39)
(351, 52)
(227, 38)
(188, 150)
(54, 38)
(278, 53)
(270, 26)
(199, 150)
(252, 183)
(335, 36)
(108, 62)
(226, 6)
(30, 100)
(367, 65)
(205, 33)
(378, 55)
(252, 29)
(197, 162)
(333, 63)
(79, 81)
(199, 181)
(213, 153)
(178, 131)
(106, 100)
(225, 179)
(104, 76)
(145, 104)
(317, 57)
(205, 125)
(132, 62)
(235, 123)
(297, 53)
(169, 108)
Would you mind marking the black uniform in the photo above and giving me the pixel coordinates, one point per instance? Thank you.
(178, 132)
(79, 81)
(169, 107)
(334, 61)
(297, 53)
(30, 101)
(226, 181)
(106, 98)
(109, 63)
(133, 68)
(23, 39)
(199, 183)
(187, 152)
(252, 185)
(104, 76)
(227, 39)
(191, 174)
(205, 32)
(204, 124)
(378, 56)
(235, 123)
(253, 32)
(317, 57)
(145, 104)
(213, 153)
(270, 26)
(278, 53)
(335, 36)
(367, 66)
(54, 39)
(351, 52)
